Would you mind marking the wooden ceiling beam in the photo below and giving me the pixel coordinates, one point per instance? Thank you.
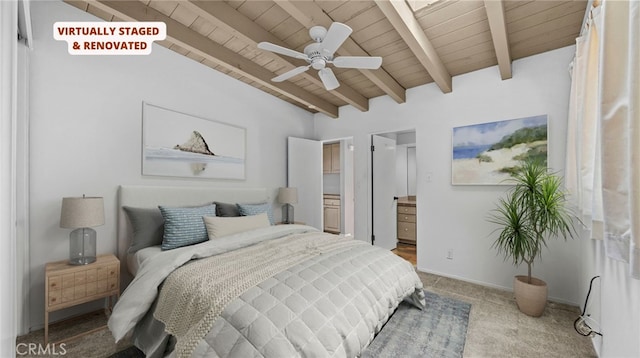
(242, 27)
(310, 14)
(498, 27)
(401, 17)
(201, 45)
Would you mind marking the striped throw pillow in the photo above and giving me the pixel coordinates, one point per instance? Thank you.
(185, 226)
(255, 209)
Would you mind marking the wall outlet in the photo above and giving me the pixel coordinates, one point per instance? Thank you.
(450, 254)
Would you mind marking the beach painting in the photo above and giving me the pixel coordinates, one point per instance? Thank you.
(487, 153)
(181, 145)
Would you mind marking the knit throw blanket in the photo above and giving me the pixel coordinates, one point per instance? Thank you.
(195, 295)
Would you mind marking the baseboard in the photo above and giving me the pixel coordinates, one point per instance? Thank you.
(488, 284)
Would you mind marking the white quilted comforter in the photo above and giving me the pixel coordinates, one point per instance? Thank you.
(330, 305)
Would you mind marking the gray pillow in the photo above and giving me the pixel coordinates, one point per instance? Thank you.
(148, 227)
(226, 209)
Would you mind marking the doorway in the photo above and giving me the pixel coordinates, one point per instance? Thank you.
(338, 186)
(393, 192)
(323, 173)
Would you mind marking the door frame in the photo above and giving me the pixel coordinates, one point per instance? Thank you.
(371, 198)
(343, 212)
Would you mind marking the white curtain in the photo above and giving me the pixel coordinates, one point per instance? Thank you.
(8, 73)
(603, 138)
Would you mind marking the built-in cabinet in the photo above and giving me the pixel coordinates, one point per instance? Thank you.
(331, 210)
(407, 220)
(331, 158)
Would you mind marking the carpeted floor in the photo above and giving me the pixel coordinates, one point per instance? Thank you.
(496, 328)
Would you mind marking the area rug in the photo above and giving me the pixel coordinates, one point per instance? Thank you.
(131, 352)
(437, 331)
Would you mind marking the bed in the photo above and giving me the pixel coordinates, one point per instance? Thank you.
(250, 288)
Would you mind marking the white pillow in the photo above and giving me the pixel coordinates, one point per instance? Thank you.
(222, 226)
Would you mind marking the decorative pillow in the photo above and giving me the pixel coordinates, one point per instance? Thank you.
(184, 226)
(218, 227)
(254, 209)
(226, 209)
(148, 227)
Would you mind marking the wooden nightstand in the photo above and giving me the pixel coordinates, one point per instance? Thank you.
(68, 285)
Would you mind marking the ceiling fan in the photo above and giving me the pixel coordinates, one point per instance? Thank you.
(319, 54)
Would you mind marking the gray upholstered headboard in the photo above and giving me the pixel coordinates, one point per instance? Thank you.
(151, 196)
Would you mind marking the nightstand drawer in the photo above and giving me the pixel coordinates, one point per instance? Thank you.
(55, 297)
(112, 271)
(55, 283)
(112, 283)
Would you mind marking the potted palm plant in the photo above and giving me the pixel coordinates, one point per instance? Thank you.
(533, 211)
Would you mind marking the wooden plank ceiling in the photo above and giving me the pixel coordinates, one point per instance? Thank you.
(420, 41)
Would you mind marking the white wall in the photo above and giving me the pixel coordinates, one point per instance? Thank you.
(453, 217)
(86, 130)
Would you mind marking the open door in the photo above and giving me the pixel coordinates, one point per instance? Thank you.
(304, 172)
(383, 158)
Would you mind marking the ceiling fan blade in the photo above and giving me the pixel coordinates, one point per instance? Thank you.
(364, 62)
(290, 73)
(336, 36)
(268, 46)
(328, 79)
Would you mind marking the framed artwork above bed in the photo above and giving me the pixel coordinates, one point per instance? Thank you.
(487, 153)
(177, 144)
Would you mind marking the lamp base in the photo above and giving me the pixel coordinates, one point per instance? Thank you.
(82, 246)
(287, 214)
(82, 261)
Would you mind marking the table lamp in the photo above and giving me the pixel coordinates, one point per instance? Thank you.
(81, 214)
(287, 196)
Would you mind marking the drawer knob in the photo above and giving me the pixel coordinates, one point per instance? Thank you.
(405, 229)
(54, 300)
(54, 285)
(405, 218)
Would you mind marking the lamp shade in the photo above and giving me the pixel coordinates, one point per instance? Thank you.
(82, 212)
(288, 196)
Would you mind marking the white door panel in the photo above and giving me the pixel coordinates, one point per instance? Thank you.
(304, 171)
(384, 203)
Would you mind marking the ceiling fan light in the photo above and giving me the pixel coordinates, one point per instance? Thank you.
(317, 33)
(318, 64)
